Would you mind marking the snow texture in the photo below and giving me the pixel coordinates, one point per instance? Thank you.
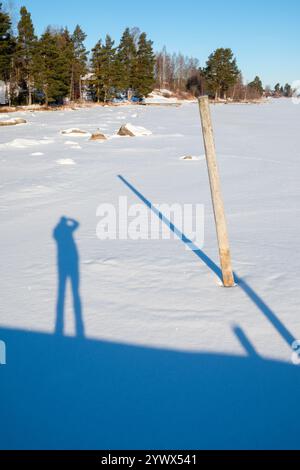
(25, 143)
(164, 356)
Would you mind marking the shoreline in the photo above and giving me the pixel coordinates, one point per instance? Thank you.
(77, 106)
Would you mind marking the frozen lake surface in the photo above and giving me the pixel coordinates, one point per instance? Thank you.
(161, 336)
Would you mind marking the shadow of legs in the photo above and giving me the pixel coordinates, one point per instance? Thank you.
(77, 305)
(59, 327)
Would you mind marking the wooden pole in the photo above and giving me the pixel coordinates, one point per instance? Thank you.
(215, 186)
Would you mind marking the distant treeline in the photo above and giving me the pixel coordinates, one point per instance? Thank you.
(56, 67)
(220, 78)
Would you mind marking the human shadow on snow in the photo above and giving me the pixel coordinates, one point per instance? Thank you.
(67, 269)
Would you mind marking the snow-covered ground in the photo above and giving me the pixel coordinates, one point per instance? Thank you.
(151, 296)
(164, 97)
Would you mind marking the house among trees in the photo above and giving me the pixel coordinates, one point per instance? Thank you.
(86, 84)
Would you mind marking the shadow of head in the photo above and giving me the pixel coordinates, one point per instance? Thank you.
(67, 250)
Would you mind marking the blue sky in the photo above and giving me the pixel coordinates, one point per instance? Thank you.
(263, 35)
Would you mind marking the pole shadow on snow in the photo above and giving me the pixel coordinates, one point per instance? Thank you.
(68, 269)
(247, 289)
(245, 342)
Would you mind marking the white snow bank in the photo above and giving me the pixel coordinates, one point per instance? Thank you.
(165, 97)
(70, 142)
(75, 132)
(166, 92)
(25, 143)
(157, 98)
(73, 145)
(12, 122)
(66, 161)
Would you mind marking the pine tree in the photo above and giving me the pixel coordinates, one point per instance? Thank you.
(126, 62)
(47, 55)
(221, 72)
(26, 46)
(144, 79)
(96, 63)
(66, 56)
(79, 63)
(257, 86)
(104, 69)
(7, 46)
(108, 68)
(288, 92)
(277, 88)
(53, 65)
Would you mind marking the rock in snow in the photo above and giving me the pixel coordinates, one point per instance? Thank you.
(192, 158)
(133, 131)
(98, 136)
(13, 122)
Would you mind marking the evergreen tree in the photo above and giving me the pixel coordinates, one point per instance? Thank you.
(47, 55)
(108, 68)
(257, 86)
(277, 88)
(221, 72)
(104, 69)
(144, 79)
(288, 92)
(7, 46)
(53, 65)
(25, 50)
(66, 55)
(96, 63)
(126, 62)
(79, 63)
